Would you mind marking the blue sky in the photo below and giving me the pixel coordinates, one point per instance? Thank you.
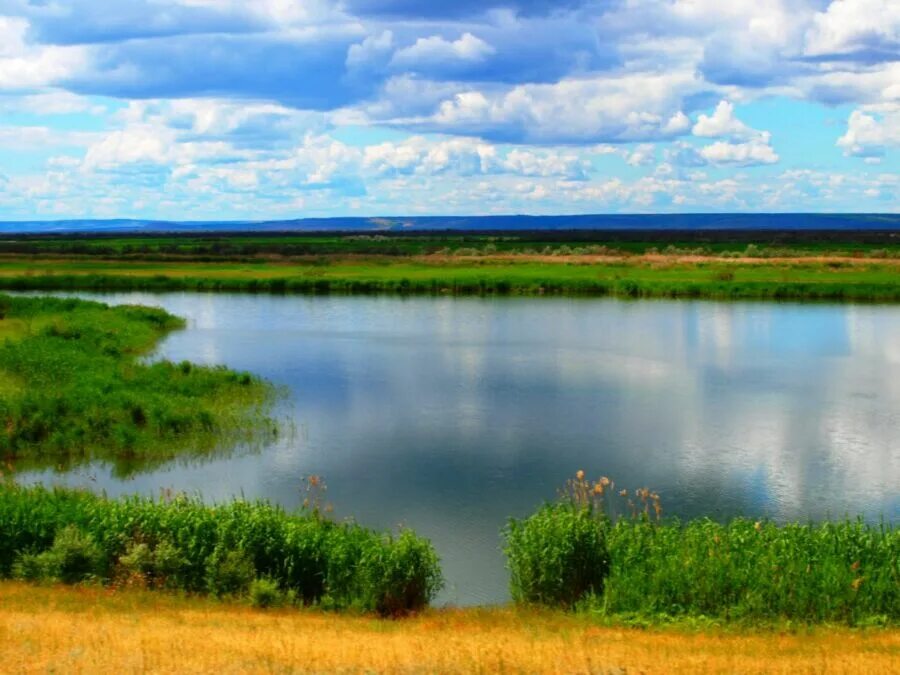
(226, 109)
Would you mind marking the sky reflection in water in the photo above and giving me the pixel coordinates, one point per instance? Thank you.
(450, 415)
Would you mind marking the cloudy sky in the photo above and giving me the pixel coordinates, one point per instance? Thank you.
(221, 109)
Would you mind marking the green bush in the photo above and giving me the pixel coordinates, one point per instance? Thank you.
(845, 571)
(185, 544)
(264, 593)
(229, 573)
(158, 567)
(73, 558)
(565, 554)
(398, 574)
(558, 555)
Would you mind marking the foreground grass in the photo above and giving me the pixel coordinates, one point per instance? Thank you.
(641, 276)
(65, 629)
(73, 389)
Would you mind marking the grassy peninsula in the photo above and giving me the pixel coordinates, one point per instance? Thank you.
(74, 388)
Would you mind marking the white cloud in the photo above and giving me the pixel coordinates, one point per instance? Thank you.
(435, 50)
(723, 123)
(469, 156)
(871, 131)
(757, 151)
(641, 156)
(617, 108)
(850, 25)
(370, 51)
(23, 66)
(146, 144)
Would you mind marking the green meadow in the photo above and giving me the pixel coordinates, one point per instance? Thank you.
(868, 280)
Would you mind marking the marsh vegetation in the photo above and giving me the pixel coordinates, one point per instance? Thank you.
(572, 553)
(74, 388)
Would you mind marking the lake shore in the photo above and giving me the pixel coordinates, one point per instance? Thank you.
(90, 629)
(822, 277)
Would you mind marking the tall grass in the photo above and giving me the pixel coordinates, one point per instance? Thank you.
(76, 389)
(181, 543)
(478, 280)
(743, 569)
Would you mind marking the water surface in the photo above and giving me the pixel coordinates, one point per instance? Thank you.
(450, 415)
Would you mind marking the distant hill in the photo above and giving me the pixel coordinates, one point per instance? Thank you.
(713, 221)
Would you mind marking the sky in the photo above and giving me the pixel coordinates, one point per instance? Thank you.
(270, 109)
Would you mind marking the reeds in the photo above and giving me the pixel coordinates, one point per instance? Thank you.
(180, 543)
(643, 565)
(76, 389)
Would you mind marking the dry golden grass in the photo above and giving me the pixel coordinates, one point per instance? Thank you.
(96, 631)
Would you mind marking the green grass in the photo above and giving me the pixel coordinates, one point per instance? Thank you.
(248, 245)
(74, 389)
(870, 281)
(570, 553)
(234, 549)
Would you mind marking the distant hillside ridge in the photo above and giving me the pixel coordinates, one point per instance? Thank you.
(704, 221)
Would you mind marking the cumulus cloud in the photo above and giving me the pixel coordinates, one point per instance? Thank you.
(871, 132)
(722, 123)
(24, 66)
(370, 52)
(468, 157)
(620, 108)
(869, 29)
(751, 153)
(357, 104)
(436, 50)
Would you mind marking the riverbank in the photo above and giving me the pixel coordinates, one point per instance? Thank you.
(74, 388)
(651, 275)
(89, 629)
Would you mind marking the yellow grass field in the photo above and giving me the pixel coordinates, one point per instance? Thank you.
(92, 630)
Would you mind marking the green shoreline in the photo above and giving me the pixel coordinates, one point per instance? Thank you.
(726, 281)
(74, 389)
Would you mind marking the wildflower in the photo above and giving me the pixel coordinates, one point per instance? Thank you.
(598, 489)
(757, 526)
(604, 481)
(855, 566)
(856, 583)
(623, 493)
(579, 474)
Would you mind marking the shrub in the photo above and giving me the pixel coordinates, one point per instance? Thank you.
(264, 593)
(157, 567)
(399, 574)
(229, 572)
(181, 543)
(741, 569)
(74, 557)
(558, 555)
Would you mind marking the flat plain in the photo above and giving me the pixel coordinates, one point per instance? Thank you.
(95, 630)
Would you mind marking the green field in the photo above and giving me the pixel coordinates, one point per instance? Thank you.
(640, 277)
(245, 245)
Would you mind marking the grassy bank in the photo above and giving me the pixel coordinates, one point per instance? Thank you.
(74, 389)
(564, 556)
(655, 276)
(209, 246)
(234, 549)
(137, 631)
(571, 554)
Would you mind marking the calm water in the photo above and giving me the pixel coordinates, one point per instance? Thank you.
(449, 415)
